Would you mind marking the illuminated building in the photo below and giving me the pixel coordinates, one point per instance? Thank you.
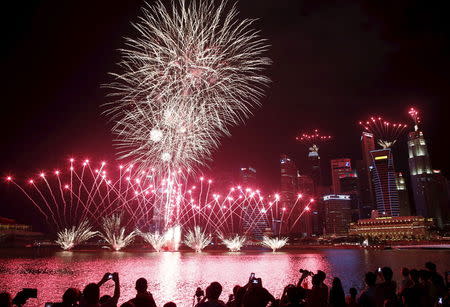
(314, 162)
(393, 228)
(310, 224)
(247, 176)
(305, 184)
(363, 167)
(349, 185)
(339, 167)
(427, 187)
(288, 189)
(383, 178)
(337, 214)
(403, 198)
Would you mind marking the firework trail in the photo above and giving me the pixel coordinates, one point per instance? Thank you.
(274, 243)
(197, 239)
(194, 70)
(386, 132)
(313, 140)
(68, 238)
(114, 233)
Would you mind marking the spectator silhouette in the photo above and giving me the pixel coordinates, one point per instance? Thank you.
(211, 298)
(5, 299)
(91, 293)
(351, 299)
(71, 297)
(256, 295)
(318, 295)
(387, 289)
(337, 295)
(368, 295)
(143, 297)
(170, 304)
(436, 279)
(406, 281)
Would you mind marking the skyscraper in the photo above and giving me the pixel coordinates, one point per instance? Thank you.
(314, 163)
(349, 185)
(367, 203)
(339, 167)
(337, 214)
(383, 176)
(403, 198)
(288, 188)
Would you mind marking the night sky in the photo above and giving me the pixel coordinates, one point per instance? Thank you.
(334, 63)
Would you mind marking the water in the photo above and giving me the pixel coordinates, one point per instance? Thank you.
(175, 276)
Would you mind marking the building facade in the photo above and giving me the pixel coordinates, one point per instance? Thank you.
(337, 214)
(338, 168)
(363, 168)
(384, 182)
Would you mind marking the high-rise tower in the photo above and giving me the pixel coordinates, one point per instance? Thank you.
(367, 203)
(338, 168)
(383, 177)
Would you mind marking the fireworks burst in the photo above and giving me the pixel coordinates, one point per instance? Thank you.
(114, 233)
(155, 239)
(68, 238)
(197, 239)
(274, 243)
(415, 116)
(234, 244)
(312, 140)
(386, 132)
(194, 71)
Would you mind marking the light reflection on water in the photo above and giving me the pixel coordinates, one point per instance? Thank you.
(175, 276)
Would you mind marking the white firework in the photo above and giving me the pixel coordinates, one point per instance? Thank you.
(115, 234)
(274, 243)
(68, 238)
(234, 244)
(155, 239)
(193, 71)
(197, 239)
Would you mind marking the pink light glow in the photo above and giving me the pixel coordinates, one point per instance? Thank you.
(9, 178)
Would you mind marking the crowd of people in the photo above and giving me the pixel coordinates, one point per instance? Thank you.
(424, 287)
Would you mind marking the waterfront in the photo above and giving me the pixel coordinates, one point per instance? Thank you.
(175, 276)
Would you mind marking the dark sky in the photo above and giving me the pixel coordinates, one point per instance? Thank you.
(334, 63)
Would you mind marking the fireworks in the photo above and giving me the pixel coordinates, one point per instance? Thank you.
(234, 244)
(386, 132)
(197, 239)
(194, 71)
(114, 233)
(415, 116)
(155, 239)
(274, 243)
(312, 140)
(68, 238)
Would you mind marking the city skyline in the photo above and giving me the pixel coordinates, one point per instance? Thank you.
(69, 64)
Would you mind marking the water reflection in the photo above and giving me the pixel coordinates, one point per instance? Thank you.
(175, 275)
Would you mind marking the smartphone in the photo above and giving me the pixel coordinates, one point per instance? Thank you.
(29, 292)
(49, 304)
(252, 275)
(110, 276)
(379, 270)
(255, 281)
(440, 301)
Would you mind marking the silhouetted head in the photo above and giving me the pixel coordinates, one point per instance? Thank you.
(170, 304)
(236, 290)
(387, 273)
(430, 266)
(405, 272)
(370, 278)
(5, 299)
(127, 304)
(353, 292)
(104, 299)
(337, 283)
(293, 294)
(321, 275)
(141, 285)
(91, 293)
(213, 291)
(71, 296)
(316, 280)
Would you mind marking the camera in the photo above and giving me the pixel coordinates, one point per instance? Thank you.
(308, 273)
(22, 297)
